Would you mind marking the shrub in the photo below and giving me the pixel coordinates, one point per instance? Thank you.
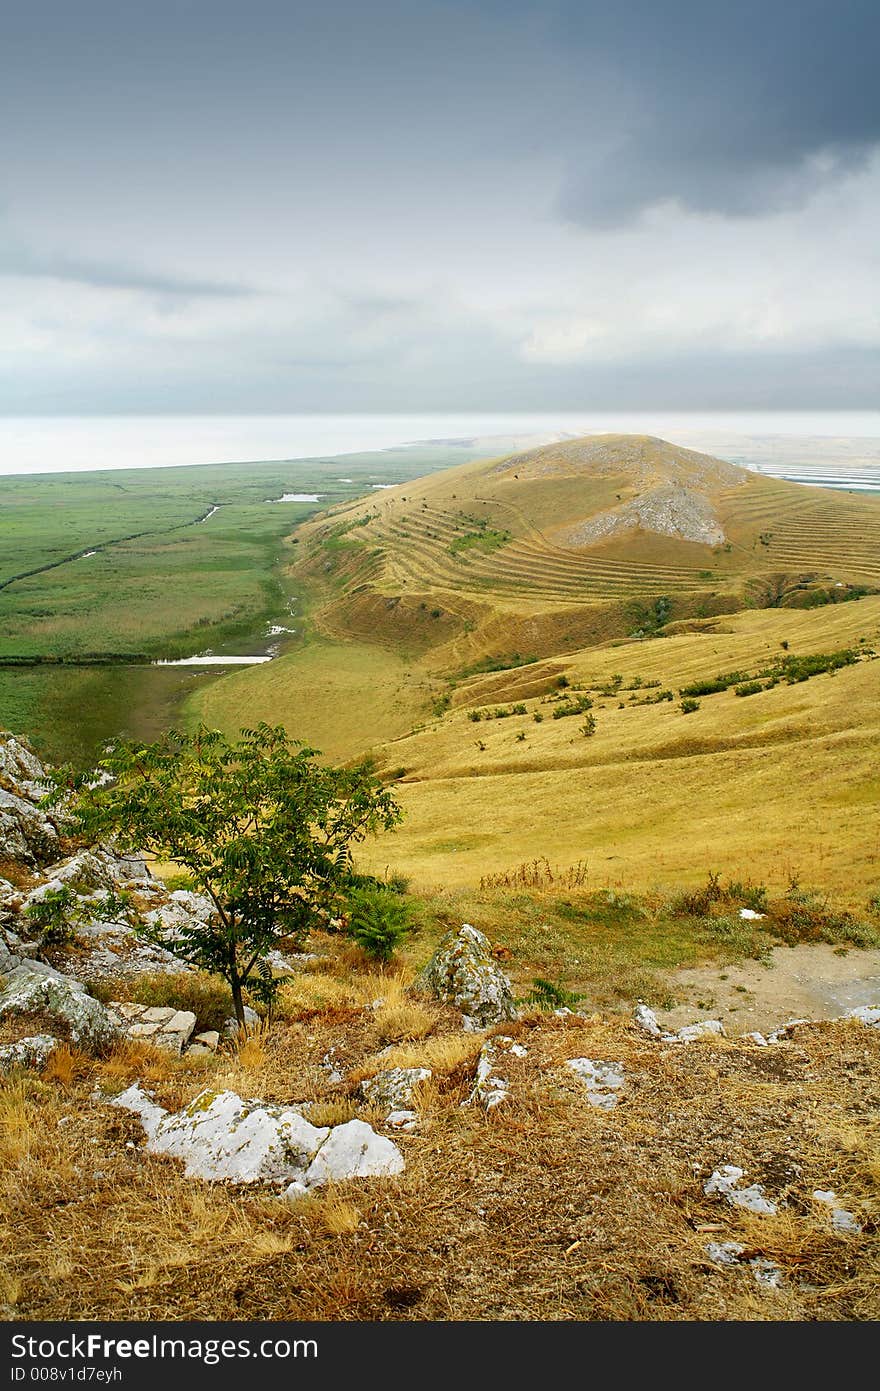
(588, 727)
(689, 705)
(548, 996)
(52, 916)
(748, 688)
(379, 921)
(572, 707)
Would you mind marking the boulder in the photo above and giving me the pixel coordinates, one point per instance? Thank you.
(33, 988)
(463, 973)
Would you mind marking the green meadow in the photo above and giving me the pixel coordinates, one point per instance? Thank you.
(167, 577)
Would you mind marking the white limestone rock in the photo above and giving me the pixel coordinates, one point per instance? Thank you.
(647, 1020)
(491, 1084)
(603, 1081)
(160, 1025)
(841, 1220)
(230, 1025)
(353, 1150)
(725, 1252)
(222, 1138)
(219, 1136)
(464, 973)
(704, 1028)
(393, 1089)
(85, 1020)
(724, 1182)
(33, 1052)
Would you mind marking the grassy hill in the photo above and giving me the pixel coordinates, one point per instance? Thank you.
(484, 586)
(481, 588)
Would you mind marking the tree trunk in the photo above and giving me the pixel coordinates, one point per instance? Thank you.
(238, 1002)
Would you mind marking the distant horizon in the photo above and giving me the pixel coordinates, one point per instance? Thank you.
(39, 443)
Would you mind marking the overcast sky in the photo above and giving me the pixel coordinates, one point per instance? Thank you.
(420, 205)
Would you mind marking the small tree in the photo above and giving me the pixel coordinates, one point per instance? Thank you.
(264, 830)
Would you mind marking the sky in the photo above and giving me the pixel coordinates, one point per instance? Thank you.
(439, 205)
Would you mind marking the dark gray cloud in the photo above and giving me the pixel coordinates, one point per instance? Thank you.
(731, 109)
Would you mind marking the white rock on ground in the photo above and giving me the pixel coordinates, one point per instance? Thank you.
(724, 1252)
(841, 1220)
(724, 1181)
(393, 1089)
(32, 1052)
(866, 1014)
(230, 1025)
(704, 1028)
(65, 1000)
(159, 1025)
(220, 1136)
(353, 1150)
(491, 1086)
(603, 1081)
(647, 1020)
(464, 973)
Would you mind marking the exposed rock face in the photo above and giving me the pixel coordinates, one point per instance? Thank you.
(464, 973)
(45, 992)
(219, 1136)
(670, 510)
(27, 831)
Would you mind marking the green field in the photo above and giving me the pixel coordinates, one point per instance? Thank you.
(167, 577)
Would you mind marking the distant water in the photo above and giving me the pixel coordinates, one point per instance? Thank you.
(842, 441)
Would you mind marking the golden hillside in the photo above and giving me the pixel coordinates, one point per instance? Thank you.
(435, 603)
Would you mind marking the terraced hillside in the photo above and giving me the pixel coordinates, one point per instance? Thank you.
(521, 601)
(577, 542)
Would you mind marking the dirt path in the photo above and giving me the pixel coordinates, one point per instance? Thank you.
(808, 982)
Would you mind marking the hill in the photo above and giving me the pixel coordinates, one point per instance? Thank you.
(493, 586)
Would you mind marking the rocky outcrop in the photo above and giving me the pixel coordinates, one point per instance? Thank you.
(32, 989)
(463, 972)
(159, 1025)
(221, 1137)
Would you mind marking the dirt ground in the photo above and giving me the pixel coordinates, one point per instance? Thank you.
(813, 981)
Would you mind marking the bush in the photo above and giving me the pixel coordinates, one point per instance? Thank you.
(378, 920)
(572, 707)
(748, 688)
(588, 727)
(688, 706)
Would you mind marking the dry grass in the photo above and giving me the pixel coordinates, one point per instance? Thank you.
(544, 1209)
